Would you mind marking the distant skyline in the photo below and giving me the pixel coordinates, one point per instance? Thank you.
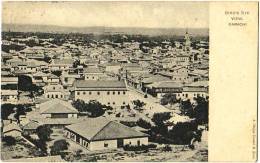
(108, 14)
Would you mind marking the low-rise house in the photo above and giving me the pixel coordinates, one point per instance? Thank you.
(53, 79)
(196, 89)
(9, 83)
(9, 96)
(57, 108)
(40, 78)
(159, 89)
(182, 59)
(61, 64)
(93, 74)
(101, 134)
(108, 92)
(31, 127)
(111, 67)
(52, 91)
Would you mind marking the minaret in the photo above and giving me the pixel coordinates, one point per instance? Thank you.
(187, 43)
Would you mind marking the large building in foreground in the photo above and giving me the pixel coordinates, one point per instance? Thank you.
(107, 92)
(100, 134)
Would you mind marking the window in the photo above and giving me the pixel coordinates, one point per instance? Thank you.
(105, 145)
(53, 88)
(78, 93)
(57, 96)
(108, 103)
(113, 93)
(89, 93)
(138, 143)
(124, 92)
(52, 96)
(114, 103)
(98, 93)
(48, 96)
(93, 77)
(84, 93)
(118, 92)
(61, 96)
(108, 92)
(87, 77)
(186, 95)
(123, 103)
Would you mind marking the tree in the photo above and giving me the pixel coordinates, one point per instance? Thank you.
(24, 83)
(6, 110)
(47, 59)
(201, 110)
(160, 118)
(186, 108)
(19, 111)
(57, 73)
(59, 146)
(9, 140)
(138, 105)
(44, 132)
(93, 108)
(183, 132)
(169, 98)
(76, 63)
(143, 123)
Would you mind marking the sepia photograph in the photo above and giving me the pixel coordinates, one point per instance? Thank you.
(104, 81)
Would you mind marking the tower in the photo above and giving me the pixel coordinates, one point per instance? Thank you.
(187, 43)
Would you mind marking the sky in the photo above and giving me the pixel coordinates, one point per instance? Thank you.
(109, 14)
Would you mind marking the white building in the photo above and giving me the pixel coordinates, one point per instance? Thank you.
(108, 92)
(9, 96)
(57, 108)
(101, 134)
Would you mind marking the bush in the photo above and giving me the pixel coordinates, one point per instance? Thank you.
(152, 146)
(59, 146)
(44, 132)
(167, 148)
(183, 132)
(145, 96)
(135, 148)
(9, 140)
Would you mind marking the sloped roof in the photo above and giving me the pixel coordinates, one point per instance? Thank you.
(63, 61)
(57, 106)
(155, 78)
(9, 92)
(32, 125)
(101, 84)
(166, 84)
(11, 127)
(41, 74)
(103, 129)
(92, 70)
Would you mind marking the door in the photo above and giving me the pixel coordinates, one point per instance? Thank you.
(120, 143)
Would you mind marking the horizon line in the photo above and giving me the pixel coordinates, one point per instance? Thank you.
(106, 26)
